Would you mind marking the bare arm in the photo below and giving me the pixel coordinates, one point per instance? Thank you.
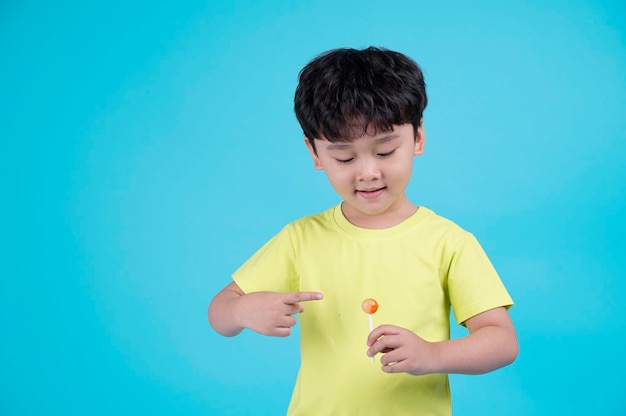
(491, 344)
(221, 311)
(268, 313)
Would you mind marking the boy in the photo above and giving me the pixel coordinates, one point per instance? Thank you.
(361, 113)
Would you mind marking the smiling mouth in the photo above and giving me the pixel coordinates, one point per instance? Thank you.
(370, 193)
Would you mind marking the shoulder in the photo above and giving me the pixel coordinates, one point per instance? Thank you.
(321, 220)
(309, 230)
(447, 237)
(441, 227)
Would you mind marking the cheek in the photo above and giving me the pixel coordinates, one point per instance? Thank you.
(339, 176)
(400, 171)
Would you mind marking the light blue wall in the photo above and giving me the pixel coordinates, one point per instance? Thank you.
(148, 148)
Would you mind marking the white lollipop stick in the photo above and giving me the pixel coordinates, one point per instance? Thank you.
(370, 306)
(371, 326)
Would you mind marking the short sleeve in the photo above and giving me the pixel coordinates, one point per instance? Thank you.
(271, 268)
(473, 283)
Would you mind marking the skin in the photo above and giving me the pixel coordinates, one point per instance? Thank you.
(491, 344)
(268, 313)
(371, 174)
(381, 164)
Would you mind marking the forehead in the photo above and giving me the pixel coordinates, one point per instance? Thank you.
(352, 128)
(376, 140)
(371, 138)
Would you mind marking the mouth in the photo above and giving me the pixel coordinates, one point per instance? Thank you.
(370, 193)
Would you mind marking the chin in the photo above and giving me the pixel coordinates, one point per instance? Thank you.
(372, 211)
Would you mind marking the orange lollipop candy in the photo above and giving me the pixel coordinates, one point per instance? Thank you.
(370, 306)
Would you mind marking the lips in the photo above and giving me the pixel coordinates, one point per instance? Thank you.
(370, 193)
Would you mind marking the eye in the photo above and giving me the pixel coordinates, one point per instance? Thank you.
(386, 154)
(344, 160)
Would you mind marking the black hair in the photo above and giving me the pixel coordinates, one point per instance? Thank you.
(344, 93)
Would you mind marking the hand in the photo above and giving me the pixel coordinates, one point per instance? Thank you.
(403, 350)
(271, 313)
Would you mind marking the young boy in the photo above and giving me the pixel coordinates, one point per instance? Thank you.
(361, 112)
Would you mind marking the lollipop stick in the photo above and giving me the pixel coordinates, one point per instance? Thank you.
(371, 326)
(370, 306)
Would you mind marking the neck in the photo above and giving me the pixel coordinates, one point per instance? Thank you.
(379, 221)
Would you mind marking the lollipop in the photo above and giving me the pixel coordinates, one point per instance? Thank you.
(370, 306)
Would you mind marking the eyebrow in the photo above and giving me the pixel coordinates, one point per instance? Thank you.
(344, 145)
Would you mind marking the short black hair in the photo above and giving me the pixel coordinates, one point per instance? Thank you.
(344, 93)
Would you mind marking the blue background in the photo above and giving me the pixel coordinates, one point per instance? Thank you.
(148, 148)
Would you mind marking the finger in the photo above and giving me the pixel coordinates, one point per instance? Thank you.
(377, 347)
(295, 297)
(396, 367)
(282, 326)
(385, 344)
(287, 321)
(281, 332)
(292, 308)
(381, 331)
(372, 352)
(393, 357)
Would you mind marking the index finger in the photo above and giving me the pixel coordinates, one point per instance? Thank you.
(296, 297)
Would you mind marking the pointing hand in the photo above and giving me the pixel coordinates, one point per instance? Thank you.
(271, 313)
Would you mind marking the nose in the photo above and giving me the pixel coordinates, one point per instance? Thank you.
(368, 169)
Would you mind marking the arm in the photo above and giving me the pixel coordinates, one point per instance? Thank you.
(491, 344)
(268, 313)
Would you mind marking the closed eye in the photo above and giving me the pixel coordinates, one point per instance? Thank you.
(386, 154)
(344, 160)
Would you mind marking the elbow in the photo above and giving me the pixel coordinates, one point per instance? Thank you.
(511, 351)
(215, 321)
(515, 351)
(211, 318)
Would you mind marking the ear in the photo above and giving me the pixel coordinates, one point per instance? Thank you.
(420, 139)
(316, 160)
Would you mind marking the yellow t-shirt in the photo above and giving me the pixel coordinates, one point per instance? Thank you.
(416, 271)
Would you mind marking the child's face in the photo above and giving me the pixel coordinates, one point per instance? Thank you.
(371, 174)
